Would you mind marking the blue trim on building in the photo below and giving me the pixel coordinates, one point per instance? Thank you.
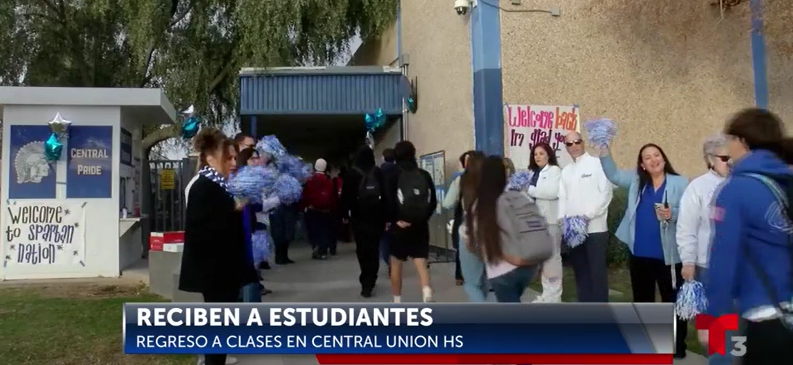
(399, 33)
(759, 63)
(320, 93)
(488, 89)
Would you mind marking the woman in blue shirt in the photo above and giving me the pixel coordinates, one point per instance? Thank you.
(648, 227)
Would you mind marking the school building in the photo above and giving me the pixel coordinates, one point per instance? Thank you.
(668, 72)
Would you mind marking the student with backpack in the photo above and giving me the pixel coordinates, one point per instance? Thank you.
(412, 192)
(364, 206)
(318, 201)
(751, 258)
(509, 231)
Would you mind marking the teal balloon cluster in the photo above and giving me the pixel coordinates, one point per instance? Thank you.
(191, 124)
(60, 130)
(375, 121)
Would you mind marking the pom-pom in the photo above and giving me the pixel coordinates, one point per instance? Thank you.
(600, 132)
(574, 230)
(294, 167)
(271, 146)
(250, 181)
(520, 180)
(260, 242)
(691, 300)
(287, 189)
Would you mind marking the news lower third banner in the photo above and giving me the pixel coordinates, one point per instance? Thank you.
(608, 331)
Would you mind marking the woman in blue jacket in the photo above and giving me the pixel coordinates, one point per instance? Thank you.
(648, 227)
(751, 259)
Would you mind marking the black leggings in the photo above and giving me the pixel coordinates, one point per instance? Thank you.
(768, 343)
(646, 274)
(220, 296)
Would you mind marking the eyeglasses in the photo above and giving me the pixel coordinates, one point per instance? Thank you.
(571, 143)
(722, 158)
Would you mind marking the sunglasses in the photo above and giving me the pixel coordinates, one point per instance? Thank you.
(571, 143)
(722, 158)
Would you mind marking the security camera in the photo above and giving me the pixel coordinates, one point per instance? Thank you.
(461, 6)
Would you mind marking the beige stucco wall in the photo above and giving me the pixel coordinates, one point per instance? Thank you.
(439, 45)
(668, 72)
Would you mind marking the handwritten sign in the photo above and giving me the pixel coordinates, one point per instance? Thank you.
(528, 125)
(90, 162)
(41, 234)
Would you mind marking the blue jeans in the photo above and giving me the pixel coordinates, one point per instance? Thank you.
(252, 293)
(474, 278)
(510, 286)
(716, 359)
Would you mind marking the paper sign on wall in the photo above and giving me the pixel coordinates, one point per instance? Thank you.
(528, 125)
(44, 234)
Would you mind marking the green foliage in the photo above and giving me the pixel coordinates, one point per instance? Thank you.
(617, 252)
(192, 49)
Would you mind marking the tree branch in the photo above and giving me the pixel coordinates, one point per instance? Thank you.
(31, 14)
(158, 136)
(147, 75)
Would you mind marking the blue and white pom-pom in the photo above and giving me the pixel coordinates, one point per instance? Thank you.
(691, 300)
(271, 146)
(600, 132)
(520, 180)
(287, 189)
(294, 167)
(261, 247)
(250, 181)
(574, 230)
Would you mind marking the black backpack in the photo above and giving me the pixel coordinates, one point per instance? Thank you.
(370, 194)
(413, 195)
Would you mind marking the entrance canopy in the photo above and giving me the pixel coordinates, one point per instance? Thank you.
(318, 111)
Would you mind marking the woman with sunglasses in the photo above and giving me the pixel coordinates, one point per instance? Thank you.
(693, 222)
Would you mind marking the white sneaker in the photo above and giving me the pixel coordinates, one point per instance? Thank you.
(427, 294)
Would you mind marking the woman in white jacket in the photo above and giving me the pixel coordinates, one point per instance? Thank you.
(544, 189)
(693, 221)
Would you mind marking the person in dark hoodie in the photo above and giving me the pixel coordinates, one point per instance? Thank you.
(751, 260)
(363, 201)
(388, 168)
(413, 193)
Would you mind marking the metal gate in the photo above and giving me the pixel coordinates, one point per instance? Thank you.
(168, 180)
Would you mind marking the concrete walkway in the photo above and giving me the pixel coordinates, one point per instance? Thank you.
(336, 280)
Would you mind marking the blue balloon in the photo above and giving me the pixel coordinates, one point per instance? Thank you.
(190, 127)
(380, 116)
(53, 148)
(371, 122)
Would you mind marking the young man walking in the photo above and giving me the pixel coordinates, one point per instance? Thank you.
(318, 201)
(413, 193)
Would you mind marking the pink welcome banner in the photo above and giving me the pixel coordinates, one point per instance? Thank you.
(528, 125)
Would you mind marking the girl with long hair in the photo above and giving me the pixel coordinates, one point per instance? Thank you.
(213, 218)
(649, 227)
(544, 189)
(751, 257)
(508, 276)
(471, 264)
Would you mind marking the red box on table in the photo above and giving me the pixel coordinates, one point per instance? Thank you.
(158, 239)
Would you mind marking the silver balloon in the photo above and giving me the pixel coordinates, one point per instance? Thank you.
(189, 112)
(60, 126)
(370, 140)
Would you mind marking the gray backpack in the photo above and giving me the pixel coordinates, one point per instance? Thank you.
(524, 231)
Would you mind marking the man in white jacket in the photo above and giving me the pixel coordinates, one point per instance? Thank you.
(585, 190)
